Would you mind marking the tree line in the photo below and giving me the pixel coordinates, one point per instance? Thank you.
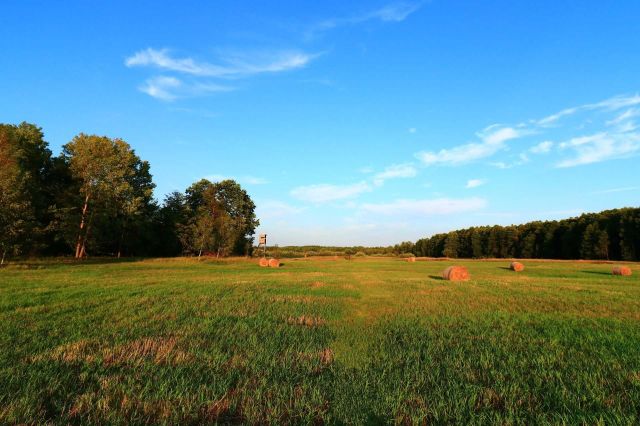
(611, 234)
(96, 198)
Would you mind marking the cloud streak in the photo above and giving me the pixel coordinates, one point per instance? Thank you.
(615, 138)
(394, 172)
(201, 74)
(474, 183)
(438, 206)
(323, 193)
(393, 12)
(170, 88)
(236, 65)
(599, 147)
(492, 140)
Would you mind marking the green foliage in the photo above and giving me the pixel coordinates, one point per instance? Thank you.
(611, 234)
(97, 198)
(113, 190)
(25, 189)
(217, 217)
(451, 245)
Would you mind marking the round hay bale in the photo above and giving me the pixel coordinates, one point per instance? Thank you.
(516, 266)
(274, 263)
(622, 270)
(456, 273)
(411, 259)
(264, 262)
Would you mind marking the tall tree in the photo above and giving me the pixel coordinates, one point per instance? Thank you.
(229, 213)
(451, 245)
(105, 171)
(16, 212)
(29, 164)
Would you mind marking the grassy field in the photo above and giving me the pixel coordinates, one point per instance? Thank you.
(318, 341)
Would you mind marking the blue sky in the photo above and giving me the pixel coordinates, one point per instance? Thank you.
(347, 122)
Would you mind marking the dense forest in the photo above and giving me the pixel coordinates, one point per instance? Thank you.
(96, 198)
(611, 234)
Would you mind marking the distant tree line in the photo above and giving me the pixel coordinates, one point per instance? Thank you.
(313, 250)
(96, 198)
(611, 234)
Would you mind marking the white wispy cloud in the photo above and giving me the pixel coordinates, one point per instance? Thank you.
(395, 171)
(617, 102)
(322, 193)
(474, 183)
(613, 190)
(625, 116)
(436, 206)
(200, 74)
(492, 140)
(393, 12)
(614, 138)
(233, 65)
(161, 87)
(611, 104)
(599, 147)
(541, 148)
(171, 88)
(553, 118)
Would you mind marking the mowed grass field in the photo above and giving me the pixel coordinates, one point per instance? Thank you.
(367, 341)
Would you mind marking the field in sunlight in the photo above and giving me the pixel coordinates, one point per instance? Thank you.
(318, 341)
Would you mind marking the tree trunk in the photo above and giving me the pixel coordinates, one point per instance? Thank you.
(120, 244)
(4, 253)
(81, 238)
(83, 251)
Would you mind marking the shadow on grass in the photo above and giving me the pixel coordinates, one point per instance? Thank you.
(436, 277)
(506, 268)
(597, 273)
(58, 262)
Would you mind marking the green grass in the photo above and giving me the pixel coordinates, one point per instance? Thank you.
(367, 341)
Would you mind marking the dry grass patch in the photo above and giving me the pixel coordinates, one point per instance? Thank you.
(489, 398)
(299, 299)
(82, 350)
(236, 362)
(307, 321)
(221, 409)
(159, 350)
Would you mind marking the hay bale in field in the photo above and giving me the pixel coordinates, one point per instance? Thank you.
(411, 259)
(264, 262)
(456, 273)
(274, 263)
(621, 270)
(516, 266)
